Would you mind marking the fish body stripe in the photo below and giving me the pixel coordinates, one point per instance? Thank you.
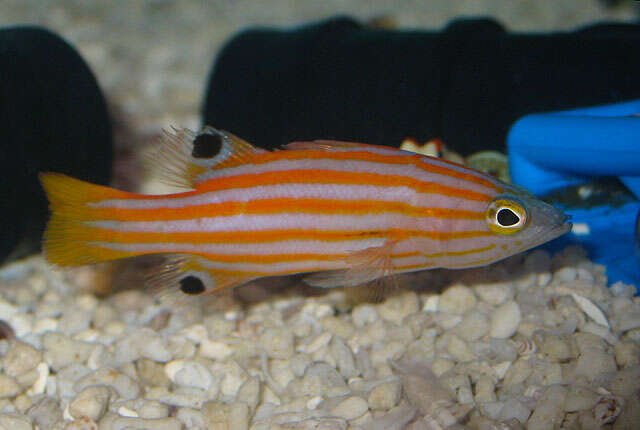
(318, 176)
(281, 264)
(286, 205)
(276, 235)
(360, 161)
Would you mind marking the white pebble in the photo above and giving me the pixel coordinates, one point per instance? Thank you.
(318, 310)
(74, 320)
(278, 342)
(197, 332)
(351, 408)
(44, 325)
(181, 397)
(40, 384)
(7, 310)
(485, 390)
(45, 413)
(215, 350)
(591, 309)
(459, 349)
(152, 346)
(580, 398)
(91, 402)
(396, 308)
(20, 358)
(191, 418)
(565, 274)
(627, 354)
(344, 358)
(66, 378)
(514, 409)
(8, 387)
(320, 341)
(549, 410)
(385, 396)
(432, 304)
(152, 409)
(494, 294)
(249, 392)
(126, 387)
(13, 421)
(123, 411)
(556, 349)
(61, 351)
(239, 416)
(505, 320)
(188, 373)
(457, 299)
(594, 362)
(21, 324)
(364, 314)
(126, 423)
(474, 325)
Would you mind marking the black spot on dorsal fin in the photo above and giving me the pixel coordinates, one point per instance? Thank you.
(191, 285)
(207, 145)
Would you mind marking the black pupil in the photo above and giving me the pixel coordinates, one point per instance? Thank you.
(507, 218)
(191, 285)
(206, 145)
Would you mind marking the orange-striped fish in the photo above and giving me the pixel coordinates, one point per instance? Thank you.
(348, 212)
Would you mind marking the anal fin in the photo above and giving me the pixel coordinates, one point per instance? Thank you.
(185, 275)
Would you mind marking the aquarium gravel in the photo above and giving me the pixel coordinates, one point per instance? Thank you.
(537, 341)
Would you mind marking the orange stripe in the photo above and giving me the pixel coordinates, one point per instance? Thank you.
(257, 274)
(321, 176)
(409, 159)
(283, 258)
(460, 253)
(280, 205)
(94, 234)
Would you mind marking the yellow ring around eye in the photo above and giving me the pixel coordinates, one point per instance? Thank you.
(515, 213)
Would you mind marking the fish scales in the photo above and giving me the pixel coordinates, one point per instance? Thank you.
(316, 207)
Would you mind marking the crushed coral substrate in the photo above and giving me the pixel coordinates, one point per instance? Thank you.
(536, 341)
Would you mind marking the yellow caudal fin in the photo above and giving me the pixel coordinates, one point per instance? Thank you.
(66, 241)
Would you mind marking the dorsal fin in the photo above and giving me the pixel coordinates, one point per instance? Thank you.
(336, 145)
(185, 158)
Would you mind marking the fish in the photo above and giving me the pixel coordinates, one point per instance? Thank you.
(342, 213)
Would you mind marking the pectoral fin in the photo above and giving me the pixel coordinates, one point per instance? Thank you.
(365, 265)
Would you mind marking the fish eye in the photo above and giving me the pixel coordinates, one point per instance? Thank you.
(506, 216)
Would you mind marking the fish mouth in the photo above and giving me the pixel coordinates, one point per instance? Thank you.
(555, 232)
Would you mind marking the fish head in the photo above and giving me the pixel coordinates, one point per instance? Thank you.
(521, 221)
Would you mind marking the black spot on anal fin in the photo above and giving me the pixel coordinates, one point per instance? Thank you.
(191, 285)
(207, 145)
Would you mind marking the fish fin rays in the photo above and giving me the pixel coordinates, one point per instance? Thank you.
(185, 158)
(67, 241)
(187, 275)
(336, 145)
(366, 265)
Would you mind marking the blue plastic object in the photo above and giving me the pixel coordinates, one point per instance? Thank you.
(559, 149)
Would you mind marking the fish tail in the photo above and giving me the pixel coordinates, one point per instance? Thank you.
(68, 236)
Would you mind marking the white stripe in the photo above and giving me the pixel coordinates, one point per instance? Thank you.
(361, 166)
(267, 248)
(286, 220)
(311, 191)
(462, 169)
